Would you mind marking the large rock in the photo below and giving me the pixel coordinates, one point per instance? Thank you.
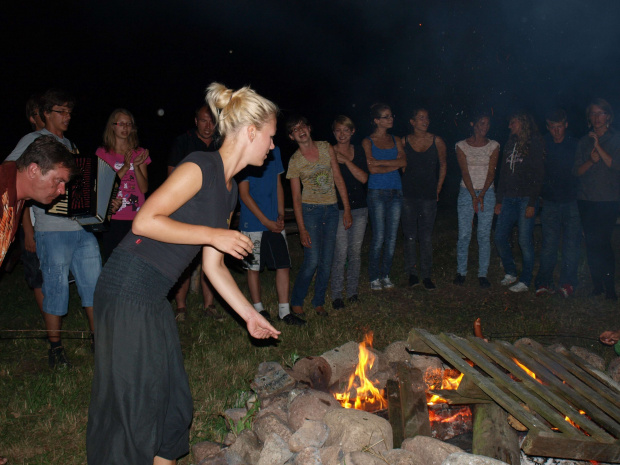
(402, 457)
(278, 406)
(232, 458)
(614, 369)
(593, 359)
(308, 456)
(220, 459)
(428, 451)
(310, 405)
(235, 415)
(396, 352)
(362, 458)
(247, 447)
(269, 424)
(463, 458)
(332, 455)
(354, 430)
(275, 451)
(311, 434)
(314, 371)
(271, 379)
(205, 449)
(429, 365)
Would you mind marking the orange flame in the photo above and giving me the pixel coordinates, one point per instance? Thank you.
(526, 369)
(447, 382)
(367, 396)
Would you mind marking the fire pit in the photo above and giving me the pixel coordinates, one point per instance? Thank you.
(572, 411)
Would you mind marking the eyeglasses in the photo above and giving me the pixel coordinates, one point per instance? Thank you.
(387, 117)
(123, 125)
(63, 112)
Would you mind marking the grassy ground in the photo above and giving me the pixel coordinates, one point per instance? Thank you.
(43, 414)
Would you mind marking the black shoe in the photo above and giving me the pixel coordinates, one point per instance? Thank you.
(293, 320)
(428, 284)
(57, 358)
(354, 299)
(267, 316)
(459, 280)
(413, 280)
(338, 304)
(484, 282)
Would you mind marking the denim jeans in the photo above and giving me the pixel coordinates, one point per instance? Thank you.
(59, 252)
(384, 206)
(418, 223)
(348, 250)
(321, 222)
(465, 210)
(513, 213)
(559, 221)
(598, 220)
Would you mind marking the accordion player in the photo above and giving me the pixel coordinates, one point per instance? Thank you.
(87, 198)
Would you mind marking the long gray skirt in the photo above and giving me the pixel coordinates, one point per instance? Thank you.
(141, 405)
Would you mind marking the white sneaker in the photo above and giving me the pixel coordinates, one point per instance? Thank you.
(376, 285)
(519, 287)
(387, 284)
(508, 280)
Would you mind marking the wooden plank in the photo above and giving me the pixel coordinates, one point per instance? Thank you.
(562, 389)
(493, 436)
(600, 376)
(557, 445)
(487, 385)
(543, 357)
(416, 344)
(542, 391)
(532, 401)
(395, 414)
(453, 397)
(603, 391)
(413, 401)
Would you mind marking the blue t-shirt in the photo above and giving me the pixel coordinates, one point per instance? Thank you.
(263, 189)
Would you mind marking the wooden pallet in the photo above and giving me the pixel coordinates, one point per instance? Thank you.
(564, 385)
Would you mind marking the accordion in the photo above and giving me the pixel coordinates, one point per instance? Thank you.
(88, 195)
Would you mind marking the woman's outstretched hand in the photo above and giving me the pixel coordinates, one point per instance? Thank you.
(260, 328)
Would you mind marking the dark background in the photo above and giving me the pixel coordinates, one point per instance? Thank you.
(318, 58)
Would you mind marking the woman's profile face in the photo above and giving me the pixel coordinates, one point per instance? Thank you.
(343, 133)
(599, 118)
(385, 119)
(482, 126)
(515, 126)
(420, 121)
(262, 142)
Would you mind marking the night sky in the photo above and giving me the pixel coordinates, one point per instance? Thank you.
(317, 58)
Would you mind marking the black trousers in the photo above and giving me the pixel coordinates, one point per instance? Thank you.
(598, 220)
(141, 405)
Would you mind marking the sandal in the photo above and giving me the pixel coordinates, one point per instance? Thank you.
(211, 311)
(180, 314)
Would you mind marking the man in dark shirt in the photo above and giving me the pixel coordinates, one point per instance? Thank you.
(559, 216)
(198, 140)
